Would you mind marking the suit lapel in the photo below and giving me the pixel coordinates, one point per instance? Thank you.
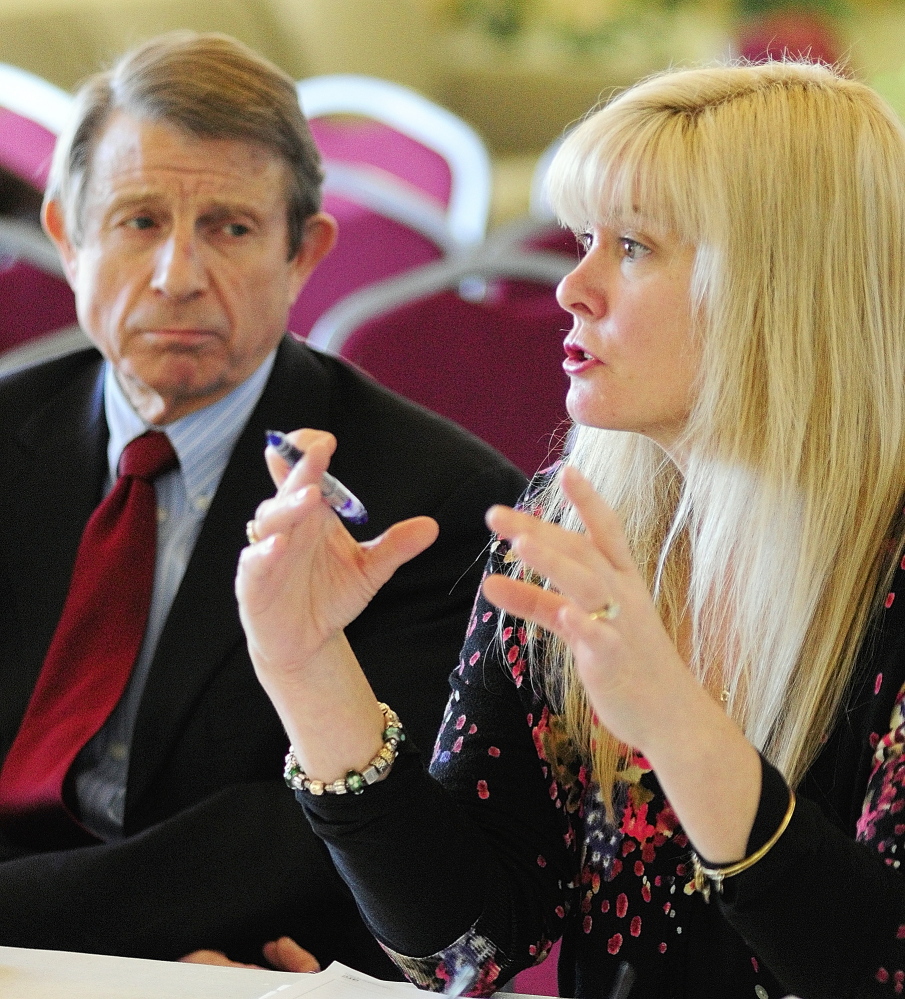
(52, 480)
(59, 476)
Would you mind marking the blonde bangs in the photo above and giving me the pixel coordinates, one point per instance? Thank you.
(619, 167)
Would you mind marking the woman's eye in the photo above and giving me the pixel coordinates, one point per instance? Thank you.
(632, 249)
(141, 222)
(585, 241)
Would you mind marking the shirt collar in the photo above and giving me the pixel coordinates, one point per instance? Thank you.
(203, 440)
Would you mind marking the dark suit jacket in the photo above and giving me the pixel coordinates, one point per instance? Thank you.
(217, 853)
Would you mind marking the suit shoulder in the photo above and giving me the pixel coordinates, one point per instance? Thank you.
(28, 389)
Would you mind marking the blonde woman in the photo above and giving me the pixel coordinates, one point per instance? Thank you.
(674, 735)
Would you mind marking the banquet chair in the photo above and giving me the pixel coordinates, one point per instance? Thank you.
(476, 338)
(386, 129)
(380, 235)
(33, 112)
(408, 182)
(35, 298)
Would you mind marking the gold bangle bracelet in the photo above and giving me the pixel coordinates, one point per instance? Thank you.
(705, 877)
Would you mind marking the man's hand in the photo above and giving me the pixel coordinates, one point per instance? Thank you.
(286, 955)
(281, 955)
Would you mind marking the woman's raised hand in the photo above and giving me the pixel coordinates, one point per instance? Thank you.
(637, 682)
(307, 577)
(624, 654)
(298, 586)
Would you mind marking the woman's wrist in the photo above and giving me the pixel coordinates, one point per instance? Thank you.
(354, 781)
(711, 775)
(330, 686)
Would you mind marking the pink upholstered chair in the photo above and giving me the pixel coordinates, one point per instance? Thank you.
(34, 296)
(476, 338)
(408, 182)
(32, 113)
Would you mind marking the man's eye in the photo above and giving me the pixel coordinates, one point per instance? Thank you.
(236, 229)
(141, 222)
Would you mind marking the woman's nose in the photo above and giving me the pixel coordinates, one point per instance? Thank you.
(582, 291)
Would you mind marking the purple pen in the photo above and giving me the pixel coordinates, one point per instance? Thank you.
(334, 492)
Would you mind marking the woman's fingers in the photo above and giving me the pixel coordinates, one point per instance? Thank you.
(398, 544)
(281, 513)
(524, 600)
(286, 955)
(310, 578)
(591, 567)
(600, 520)
(571, 561)
(304, 440)
(306, 474)
(216, 957)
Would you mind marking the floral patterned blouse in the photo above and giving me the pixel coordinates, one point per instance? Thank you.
(498, 852)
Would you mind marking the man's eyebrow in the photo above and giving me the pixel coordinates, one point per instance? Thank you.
(220, 209)
(215, 210)
(130, 199)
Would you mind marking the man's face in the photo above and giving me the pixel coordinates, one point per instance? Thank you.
(182, 277)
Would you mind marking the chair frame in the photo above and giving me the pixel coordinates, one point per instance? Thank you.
(25, 241)
(35, 98)
(468, 272)
(421, 119)
(44, 348)
(392, 198)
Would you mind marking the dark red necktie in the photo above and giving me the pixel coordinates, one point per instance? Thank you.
(96, 641)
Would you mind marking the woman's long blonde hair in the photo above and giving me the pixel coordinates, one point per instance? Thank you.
(774, 540)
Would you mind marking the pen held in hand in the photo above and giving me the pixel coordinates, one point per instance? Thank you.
(334, 492)
(461, 982)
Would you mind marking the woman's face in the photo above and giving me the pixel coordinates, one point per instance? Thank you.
(630, 355)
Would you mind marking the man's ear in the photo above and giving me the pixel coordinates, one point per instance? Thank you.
(318, 240)
(54, 221)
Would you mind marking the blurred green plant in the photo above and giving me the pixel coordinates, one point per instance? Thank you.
(756, 8)
(587, 24)
(502, 20)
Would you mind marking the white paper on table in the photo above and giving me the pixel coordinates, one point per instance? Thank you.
(339, 982)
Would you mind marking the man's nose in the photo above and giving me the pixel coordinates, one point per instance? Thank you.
(179, 267)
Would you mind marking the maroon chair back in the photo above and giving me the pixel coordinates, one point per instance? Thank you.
(408, 181)
(493, 366)
(26, 148)
(370, 247)
(32, 303)
(366, 142)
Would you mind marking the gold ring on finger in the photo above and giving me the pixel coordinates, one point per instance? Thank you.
(251, 533)
(606, 613)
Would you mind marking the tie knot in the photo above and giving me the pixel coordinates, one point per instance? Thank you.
(148, 456)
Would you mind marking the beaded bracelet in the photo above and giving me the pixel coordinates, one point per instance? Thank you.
(355, 781)
(704, 877)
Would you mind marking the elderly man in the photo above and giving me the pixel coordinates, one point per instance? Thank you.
(184, 202)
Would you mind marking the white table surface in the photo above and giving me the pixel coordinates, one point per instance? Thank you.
(49, 974)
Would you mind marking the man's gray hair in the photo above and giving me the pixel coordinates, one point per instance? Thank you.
(210, 85)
